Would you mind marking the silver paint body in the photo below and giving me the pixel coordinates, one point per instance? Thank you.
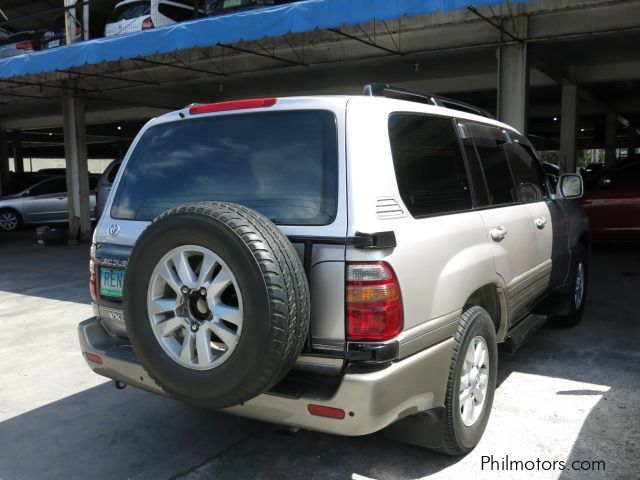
(440, 262)
(42, 209)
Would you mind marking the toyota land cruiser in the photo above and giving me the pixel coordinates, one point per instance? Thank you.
(344, 264)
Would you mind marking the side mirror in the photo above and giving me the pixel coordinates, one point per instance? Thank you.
(605, 182)
(570, 185)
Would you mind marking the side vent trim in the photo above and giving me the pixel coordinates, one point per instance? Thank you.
(388, 207)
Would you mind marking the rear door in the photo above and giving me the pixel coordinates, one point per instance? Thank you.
(509, 223)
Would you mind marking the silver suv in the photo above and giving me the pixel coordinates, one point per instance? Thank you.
(344, 264)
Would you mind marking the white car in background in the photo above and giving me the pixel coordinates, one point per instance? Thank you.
(135, 15)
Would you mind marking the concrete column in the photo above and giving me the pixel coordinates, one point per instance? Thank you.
(513, 81)
(75, 149)
(18, 155)
(611, 120)
(5, 187)
(569, 127)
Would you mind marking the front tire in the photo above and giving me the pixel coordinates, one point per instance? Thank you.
(10, 220)
(472, 382)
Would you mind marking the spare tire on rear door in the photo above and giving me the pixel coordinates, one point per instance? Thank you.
(216, 303)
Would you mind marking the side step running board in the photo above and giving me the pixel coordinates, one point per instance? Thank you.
(521, 332)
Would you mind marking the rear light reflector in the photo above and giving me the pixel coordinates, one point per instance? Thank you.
(322, 411)
(28, 45)
(147, 24)
(92, 280)
(373, 301)
(233, 105)
(92, 357)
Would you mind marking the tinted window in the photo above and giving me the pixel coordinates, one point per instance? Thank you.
(428, 163)
(489, 143)
(175, 13)
(527, 172)
(129, 11)
(283, 164)
(55, 185)
(477, 175)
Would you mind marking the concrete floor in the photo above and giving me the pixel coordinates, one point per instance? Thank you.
(567, 395)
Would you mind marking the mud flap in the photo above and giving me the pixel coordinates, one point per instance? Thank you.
(424, 429)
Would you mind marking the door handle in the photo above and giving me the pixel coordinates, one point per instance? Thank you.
(498, 233)
(541, 222)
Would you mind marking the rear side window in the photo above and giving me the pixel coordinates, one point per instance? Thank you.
(428, 163)
(129, 11)
(489, 143)
(527, 172)
(282, 164)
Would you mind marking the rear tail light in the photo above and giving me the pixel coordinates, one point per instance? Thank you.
(233, 105)
(147, 24)
(92, 280)
(374, 302)
(28, 45)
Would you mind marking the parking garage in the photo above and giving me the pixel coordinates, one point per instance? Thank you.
(565, 73)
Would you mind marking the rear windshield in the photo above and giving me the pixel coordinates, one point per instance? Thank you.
(282, 164)
(129, 11)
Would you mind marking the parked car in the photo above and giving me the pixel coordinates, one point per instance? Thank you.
(135, 15)
(56, 36)
(19, 43)
(612, 203)
(591, 168)
(43, 203)
(340, 264)
(105, 182)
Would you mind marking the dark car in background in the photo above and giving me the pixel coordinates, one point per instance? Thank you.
(612, 202)
(56, 35)
(105, 183)
(19, 43)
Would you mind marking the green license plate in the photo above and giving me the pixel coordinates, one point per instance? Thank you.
(231, 3)
(111, 281)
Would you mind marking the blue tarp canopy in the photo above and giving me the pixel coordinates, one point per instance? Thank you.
(249, 25)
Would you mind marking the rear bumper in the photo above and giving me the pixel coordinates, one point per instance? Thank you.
(371, 401)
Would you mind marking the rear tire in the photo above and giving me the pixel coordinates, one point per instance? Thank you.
(10, 220)
(472, 382)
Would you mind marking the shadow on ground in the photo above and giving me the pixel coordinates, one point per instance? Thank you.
(49, 272)
(101, 433)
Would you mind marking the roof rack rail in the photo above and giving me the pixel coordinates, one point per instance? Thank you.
(391, 91)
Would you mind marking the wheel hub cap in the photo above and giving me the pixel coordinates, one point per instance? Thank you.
(8, 221)
(195, 307)
(474, 381)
